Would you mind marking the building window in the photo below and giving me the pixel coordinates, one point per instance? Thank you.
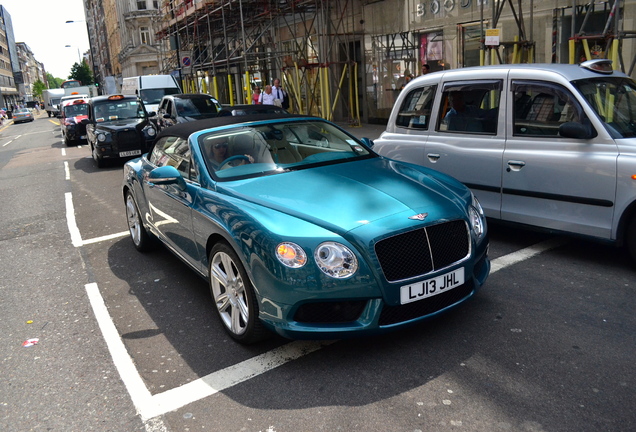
(155, 4)
(144, 33)
(141, 4)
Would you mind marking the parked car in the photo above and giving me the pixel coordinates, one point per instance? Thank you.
(71, 116)
(546, 145)
(302, 229)
(118, 126)
(181, 108)
(22, 115)
(247, 109)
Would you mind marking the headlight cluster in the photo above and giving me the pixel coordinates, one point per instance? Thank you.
(333, 259)
(101, 137)
(150, 131)
(476, 215)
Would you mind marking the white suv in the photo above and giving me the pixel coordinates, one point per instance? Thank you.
(547, 145)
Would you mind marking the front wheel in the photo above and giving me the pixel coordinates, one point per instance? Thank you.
(140, 237)
(234, 296)
(99, 161)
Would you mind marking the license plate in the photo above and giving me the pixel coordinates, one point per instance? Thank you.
(431, 287)
(130, 153)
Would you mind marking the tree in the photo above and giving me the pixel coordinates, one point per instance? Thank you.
(82, 73)
(38, 87)
(53, 82)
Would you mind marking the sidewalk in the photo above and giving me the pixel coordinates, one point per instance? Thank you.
(365, 130)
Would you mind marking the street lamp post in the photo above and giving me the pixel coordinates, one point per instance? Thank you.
(79, 57)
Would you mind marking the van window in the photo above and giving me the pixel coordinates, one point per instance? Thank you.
(540, 108)
(614, 100)
(470, 108)
(415, 111)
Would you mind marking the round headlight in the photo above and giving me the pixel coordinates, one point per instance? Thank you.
(291, 255)
(151, 131)
(336, 260)
(101, 137)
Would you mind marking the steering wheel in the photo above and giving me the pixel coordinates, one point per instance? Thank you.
(233, 158)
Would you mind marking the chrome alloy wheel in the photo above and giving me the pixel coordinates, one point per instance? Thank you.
(134, 220)
(228, 291)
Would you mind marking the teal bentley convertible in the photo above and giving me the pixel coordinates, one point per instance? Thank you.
(303, 230)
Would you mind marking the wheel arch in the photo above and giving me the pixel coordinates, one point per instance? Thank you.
(626, 217)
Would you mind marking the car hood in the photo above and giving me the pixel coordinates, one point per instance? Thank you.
(117, 125)
(375, 192)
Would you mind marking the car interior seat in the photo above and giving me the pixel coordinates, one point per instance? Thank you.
(250, 144)
(282, 151)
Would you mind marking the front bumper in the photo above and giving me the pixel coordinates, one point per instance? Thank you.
(360, 317)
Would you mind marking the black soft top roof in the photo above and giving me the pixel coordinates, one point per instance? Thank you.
(184, 130)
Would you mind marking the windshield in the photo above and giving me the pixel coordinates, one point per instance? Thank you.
(118, 110)
(614, 100)
(75, 110)
(266, 149)
(153, 96)
(196, 107)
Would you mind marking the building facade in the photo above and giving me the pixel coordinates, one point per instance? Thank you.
(348, 59)
(10, 72)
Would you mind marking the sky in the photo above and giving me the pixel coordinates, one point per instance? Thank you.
(41, 24)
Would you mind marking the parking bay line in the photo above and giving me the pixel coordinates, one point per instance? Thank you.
(150, 406)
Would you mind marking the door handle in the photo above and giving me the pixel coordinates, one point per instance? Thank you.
(433, 157)
(515, 165)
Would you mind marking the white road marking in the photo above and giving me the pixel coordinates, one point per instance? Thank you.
(523, 254)
(7, 143)
(150, 407)
(105, 238)
(64, 153)
(76, 237)
(66, 171)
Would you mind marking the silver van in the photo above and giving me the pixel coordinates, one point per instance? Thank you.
(547, 145)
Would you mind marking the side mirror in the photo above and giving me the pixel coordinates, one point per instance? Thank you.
(166, 116)
(368, 142)
(167, 175)
(576, 130)
(152, 113)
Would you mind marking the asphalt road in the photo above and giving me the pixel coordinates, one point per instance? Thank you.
(130, 342)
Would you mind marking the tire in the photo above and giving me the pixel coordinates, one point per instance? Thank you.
(142, 240)
(630, 239)
(99, 161)
(234, 296)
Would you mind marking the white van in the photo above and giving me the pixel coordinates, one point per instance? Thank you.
(150, 88)
(546, 145)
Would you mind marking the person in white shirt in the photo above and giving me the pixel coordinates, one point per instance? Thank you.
(280, 94)
(267, 98)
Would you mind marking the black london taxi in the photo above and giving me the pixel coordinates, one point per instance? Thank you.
(118, 127)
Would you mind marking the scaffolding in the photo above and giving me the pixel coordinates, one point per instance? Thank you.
(227, 47)
(582, 45)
